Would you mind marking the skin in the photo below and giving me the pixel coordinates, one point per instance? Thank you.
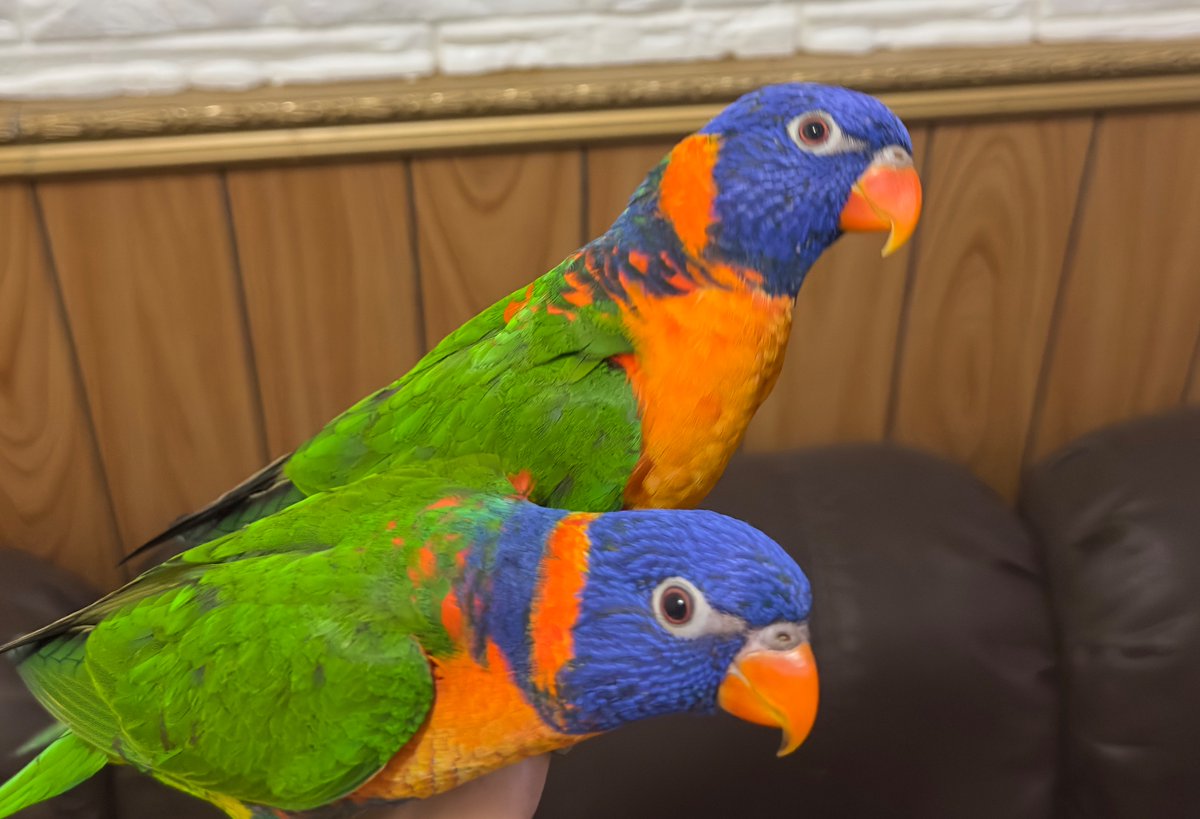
(509, 793)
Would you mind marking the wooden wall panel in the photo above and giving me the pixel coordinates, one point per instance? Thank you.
(1001, 198)
(1131, 304)
(613, 174)
(146, 271)
(53, 501)
(1009, 341)
(488, 224)
(331, 287)
(1193, 390)
(836, 379)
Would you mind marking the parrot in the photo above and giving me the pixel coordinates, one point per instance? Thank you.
(626, 376)
(393, 638)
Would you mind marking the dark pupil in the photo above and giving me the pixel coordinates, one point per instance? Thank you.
(814, 130)
(675, 606)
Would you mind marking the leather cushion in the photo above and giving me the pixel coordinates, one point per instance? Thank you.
(1119, 514)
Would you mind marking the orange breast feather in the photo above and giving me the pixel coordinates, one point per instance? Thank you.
(479, 722)
(704, 362)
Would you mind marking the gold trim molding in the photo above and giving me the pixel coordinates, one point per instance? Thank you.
(557, 107)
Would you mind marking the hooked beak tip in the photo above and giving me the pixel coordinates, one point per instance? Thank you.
(774, 688)
(887, 197)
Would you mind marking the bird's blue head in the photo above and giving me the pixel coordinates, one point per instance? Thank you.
(778, 175)
(678, 611)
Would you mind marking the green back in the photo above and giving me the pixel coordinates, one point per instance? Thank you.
(538, 391)
(284, 664)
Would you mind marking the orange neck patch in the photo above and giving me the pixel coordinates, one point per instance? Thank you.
(556, 600)
(687, 191)
(480, 721)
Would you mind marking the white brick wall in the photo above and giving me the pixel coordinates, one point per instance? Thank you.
(496, 43)
(862, 25)
(106, 47)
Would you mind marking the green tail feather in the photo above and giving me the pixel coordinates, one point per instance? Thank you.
(59, 768)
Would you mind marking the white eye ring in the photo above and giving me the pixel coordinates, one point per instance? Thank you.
(700, 618)
(675, 590)
(816, 132)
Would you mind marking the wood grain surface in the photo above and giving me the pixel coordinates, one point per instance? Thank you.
(613, 174)
(1044, 296)
(53, 500)
(836, 379)
(1193, 389)
(331, 288)
(1130, 314)
(146, 271)
(1001, 199)
(487, 225)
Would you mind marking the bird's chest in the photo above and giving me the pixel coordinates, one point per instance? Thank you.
(705, 361)
(479, 722)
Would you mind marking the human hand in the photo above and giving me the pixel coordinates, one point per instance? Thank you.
(509, 793)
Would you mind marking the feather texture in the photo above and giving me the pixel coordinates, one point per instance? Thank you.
(390, 640)
(626, 375)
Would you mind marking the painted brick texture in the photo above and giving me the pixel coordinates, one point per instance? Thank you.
(51, 48)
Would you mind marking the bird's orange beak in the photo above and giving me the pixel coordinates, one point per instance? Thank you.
(775, 688)
(886, 197)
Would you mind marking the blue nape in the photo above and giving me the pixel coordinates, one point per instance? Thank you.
(500, 582)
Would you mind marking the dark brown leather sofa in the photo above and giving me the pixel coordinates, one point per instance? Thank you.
(975, 662)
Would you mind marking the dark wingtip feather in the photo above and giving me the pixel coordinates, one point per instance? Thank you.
(262, 490)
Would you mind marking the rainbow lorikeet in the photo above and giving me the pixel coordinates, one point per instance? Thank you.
(396, 637)
(626, 376)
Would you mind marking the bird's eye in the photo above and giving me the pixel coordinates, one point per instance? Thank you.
(816, 132)
(676, 605)
(680, 608)
(813, 131)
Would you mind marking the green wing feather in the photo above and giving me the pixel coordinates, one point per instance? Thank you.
(282, 665)
(539, 390)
